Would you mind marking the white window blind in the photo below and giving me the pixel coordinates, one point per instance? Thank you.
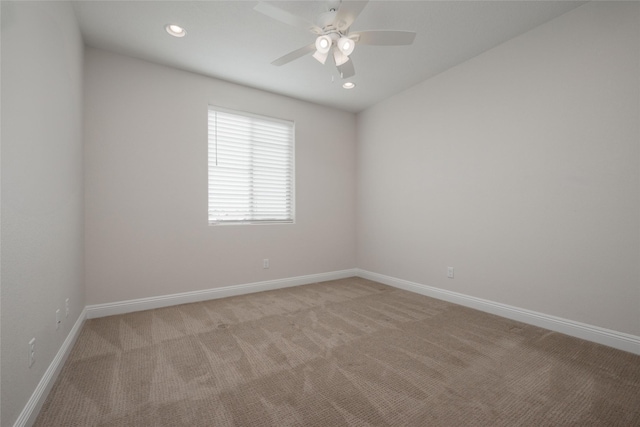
(250, 168)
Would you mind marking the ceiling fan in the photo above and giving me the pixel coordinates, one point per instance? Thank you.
(333, 37)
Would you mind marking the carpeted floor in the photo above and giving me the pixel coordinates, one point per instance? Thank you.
(346, 352)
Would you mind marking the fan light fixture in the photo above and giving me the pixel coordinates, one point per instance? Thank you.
(323, 46)
(339, 57)
(175, 30)
(342, 48)
(346, 45)
(320, 57)
(349, 85)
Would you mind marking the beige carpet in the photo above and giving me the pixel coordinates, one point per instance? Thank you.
(348, 352)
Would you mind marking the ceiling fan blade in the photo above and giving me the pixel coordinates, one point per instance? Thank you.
(346, 70)
(347, 13)
(286, 17)
(298, 53)
(384, 37)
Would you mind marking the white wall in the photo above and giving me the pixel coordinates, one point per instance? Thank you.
(42, 194)
(146, 186)
(519, 168)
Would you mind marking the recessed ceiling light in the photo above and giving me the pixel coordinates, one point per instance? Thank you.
(349, 85)
(175, 30)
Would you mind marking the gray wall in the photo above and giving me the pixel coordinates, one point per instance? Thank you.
(520, 169)
(146, 186)
(42, 190)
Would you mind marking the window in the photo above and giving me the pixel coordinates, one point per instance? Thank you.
(251, 171)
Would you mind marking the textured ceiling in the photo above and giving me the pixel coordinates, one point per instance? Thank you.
(228, 40)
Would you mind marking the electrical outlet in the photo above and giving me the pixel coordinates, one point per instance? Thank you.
(265, 263)
(450, 272)
(66, 307)
(32, 352)
(58, 321)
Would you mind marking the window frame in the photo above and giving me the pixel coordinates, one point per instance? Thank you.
(249, 115)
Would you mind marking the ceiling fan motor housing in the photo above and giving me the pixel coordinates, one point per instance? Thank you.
(325, 20)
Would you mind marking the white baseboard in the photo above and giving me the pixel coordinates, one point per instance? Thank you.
(121, 307)
(31, 410)
(619, 340)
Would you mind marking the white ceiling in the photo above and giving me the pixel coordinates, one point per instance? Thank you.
(228, 40)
